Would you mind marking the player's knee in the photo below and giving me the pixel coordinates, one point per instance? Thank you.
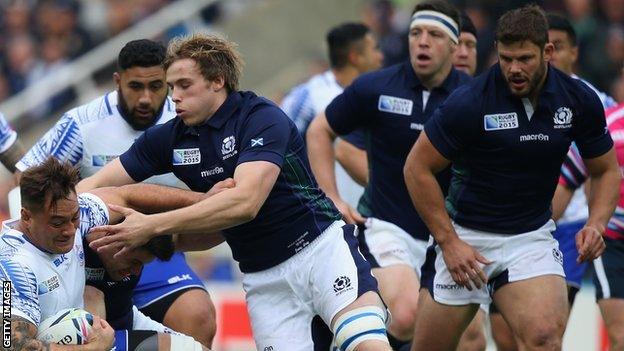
(543, 336)
(204, 322)
(616, 337)
(473, 339)
(195, 316)
(363, 328)
(403, 319)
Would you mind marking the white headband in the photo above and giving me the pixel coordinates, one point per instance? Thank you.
(437, 19)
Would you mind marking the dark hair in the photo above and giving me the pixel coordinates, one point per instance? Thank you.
(51, 179)
(141, 53)
(161, 247)
(467, 25)
(525, 23)
(439, 6)
(341, 39)
(559, 22)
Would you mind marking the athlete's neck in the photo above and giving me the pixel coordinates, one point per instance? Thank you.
(436, 79)
(21, 227)
(535, 93)
(219, 100)
(346, 75)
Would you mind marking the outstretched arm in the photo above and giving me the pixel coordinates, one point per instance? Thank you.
(113, 174)
(231, 207)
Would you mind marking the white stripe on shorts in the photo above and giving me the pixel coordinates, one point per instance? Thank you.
(602, 278)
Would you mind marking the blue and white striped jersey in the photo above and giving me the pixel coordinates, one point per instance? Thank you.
(302, 104)
(43, 283)
(92, 135)
(7, 134)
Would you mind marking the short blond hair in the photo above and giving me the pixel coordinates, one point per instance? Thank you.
(216, 57)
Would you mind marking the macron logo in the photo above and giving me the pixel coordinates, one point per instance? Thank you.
(211, 172)
(257, 142)
(534, 137)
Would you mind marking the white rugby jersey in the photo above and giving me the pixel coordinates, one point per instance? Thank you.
(92, 135)
(44, 283)
(7, 134)
(307, 100)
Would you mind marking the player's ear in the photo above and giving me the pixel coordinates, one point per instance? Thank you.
(26, 216)
(218, 83)
(117, 79)
(549, 49)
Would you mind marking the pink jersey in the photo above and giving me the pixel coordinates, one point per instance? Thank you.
(574, 173)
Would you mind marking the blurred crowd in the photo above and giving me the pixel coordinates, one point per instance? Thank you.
(599, 25)
(41, 35)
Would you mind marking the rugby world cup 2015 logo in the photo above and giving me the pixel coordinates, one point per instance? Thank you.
(563, 118)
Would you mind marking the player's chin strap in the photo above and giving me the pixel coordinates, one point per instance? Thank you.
(184, 343)
(358, 325)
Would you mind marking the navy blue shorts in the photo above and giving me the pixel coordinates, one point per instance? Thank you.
(160, 279)
(565, 235)
(609, 271)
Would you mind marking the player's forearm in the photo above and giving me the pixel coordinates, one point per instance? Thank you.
(152, 198)
(113, 174)
(603, 197)
(12, 155)
(428, 200)
(353, 160)
(561, 200)
(227, 209)
(320, 142)
(199, 242)
(23, 339)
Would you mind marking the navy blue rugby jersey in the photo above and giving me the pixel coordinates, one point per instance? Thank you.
(507, 160)
(391, 106)
(245, 128)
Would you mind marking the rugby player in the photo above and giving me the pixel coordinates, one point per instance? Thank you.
(507, 133)
(92, 135)
(42, 251)
(298, 258)
(607, 268)
(11, 148)
(392, 105)
(353, 50)
(572, 218)
(465, 57)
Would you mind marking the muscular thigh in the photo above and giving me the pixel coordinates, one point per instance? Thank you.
(526, 303)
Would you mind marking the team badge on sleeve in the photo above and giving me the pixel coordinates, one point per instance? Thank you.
(183, 157)
(500, 121)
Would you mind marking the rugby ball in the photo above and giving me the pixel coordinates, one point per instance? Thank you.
(70, 326)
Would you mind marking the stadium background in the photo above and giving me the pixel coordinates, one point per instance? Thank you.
(56, 54)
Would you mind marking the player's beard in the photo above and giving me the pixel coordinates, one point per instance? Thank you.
(130, 117)
(534, 82)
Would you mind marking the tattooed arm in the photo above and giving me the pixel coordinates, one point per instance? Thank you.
(23, 334)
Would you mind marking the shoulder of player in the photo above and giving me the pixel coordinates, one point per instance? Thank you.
(372, 81)
(254, 106)
(100, 108)
(578, 91)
